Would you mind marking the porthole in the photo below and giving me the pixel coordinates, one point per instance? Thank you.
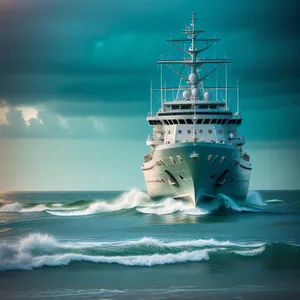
(179, 131)
(179, 158)
(189, 131)
(172, 160)
(209, 157)
(220, 131)
(210, 131)
(201, 131)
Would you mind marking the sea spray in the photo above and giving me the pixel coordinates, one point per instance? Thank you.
(38, 250)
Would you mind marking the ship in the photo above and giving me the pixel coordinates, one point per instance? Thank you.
(196, 153)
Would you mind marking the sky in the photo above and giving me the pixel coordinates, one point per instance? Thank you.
(74, 87)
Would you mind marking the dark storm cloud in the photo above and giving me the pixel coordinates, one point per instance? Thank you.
(98, 51)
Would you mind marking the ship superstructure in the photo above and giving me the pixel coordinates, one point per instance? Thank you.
(196, 150)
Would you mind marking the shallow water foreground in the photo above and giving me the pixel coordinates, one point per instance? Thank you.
(121, 245)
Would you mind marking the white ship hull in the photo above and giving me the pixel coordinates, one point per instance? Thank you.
(174, 173)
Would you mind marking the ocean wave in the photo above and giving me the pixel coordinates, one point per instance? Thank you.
(253, 203)
(170, 206)
(137, 201)
(29, 208)
(274, 201)
(38, 250)
(133, 199)
(127, 200)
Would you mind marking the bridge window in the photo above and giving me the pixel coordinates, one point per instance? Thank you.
(175, 106)
(199, 121)
(239, 122)
(166, 122)
(206, 121)
(224, 121)
(151, 123)
(189, 121)
(213, 121)
(171, 122)
(175, 121)
(181, 121)
(219, 121)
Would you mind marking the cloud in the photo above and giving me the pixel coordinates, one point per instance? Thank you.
(30, 122)
(94, 59)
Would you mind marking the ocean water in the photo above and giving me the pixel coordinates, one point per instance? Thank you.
(122, 245)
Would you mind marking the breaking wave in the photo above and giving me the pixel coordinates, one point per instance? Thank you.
(253, 203)
(139, 202)
(133, 199)
(39, 250)
(274, 201)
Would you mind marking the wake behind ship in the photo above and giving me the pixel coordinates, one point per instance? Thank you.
(196, 150)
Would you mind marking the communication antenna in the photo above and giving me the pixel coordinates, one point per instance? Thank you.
(226, 83)
(238, 96)
(161, 88)
(151, 97)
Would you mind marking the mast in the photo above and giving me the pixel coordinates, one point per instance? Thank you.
(151, 97)
(194, 82)
(226, 84)
(161, 89)
(237, 96)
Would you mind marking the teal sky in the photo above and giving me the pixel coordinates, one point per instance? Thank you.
(74, 87)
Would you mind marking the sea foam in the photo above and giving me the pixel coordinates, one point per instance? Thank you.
(38, 250)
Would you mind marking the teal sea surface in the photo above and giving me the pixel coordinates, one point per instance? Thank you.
(122, 245)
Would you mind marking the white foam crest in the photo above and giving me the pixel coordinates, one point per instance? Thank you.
(37, 250)
(11, 207)
(37, 208)
(230, 203)
(170, 206)
(27, 262)
(211, 243)
(148, 241)
(57, 204)
(37, 241)
(274, 201)
(255, 199)
(251, 252)
(127, 200)
(18, 207)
